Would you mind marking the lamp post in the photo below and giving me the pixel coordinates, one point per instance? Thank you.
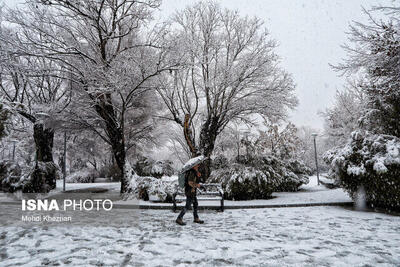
(238, 143)
(65, 160)
(246, 134)
(315, 152)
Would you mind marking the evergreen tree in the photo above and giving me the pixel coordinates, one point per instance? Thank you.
(375, 53)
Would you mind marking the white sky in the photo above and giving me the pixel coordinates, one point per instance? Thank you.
(310, 33)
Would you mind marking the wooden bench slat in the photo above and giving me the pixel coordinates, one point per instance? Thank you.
(203, 199)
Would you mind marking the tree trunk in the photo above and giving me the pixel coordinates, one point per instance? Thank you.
(187, 132)
(208, 137)
(45, 173)
(44, 138)
(118, 148)
(104, 107)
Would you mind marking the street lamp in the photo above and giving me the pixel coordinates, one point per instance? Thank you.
(315, 152)
(65, 160)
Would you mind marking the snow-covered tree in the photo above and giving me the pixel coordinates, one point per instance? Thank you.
(374, 52)
(33, 87)
(343, 117)
(110, 58)
(228, 72)
(3, 120)
(305, 150)
(36, 93)
(369, 161)
(282, 143)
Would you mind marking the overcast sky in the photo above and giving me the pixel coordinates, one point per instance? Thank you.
(310, 33)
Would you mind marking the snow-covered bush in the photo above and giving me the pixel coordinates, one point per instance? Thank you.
(145, 187)
(219, 161)
(82, 176)
(161, 168)
(258, 177)
(372, 162)
(147, 167)
(110, 171)
(295, 174)
(40, 179)
(10, 174)
(243, 182)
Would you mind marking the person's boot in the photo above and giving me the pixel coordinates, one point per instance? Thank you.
(180, 221)
(197, 220)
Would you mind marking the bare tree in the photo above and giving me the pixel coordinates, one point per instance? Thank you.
(343, 117)
(229, 72)
(109, 57)
(33, 88)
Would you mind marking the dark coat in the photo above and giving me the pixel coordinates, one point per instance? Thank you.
(191, 175)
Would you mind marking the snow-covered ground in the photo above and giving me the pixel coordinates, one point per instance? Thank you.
(311, 236)
(310, 193)
(73, 186)
(308, 236)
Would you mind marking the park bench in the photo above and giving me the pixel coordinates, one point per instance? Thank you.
(212, 192)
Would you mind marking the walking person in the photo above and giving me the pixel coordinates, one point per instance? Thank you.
(192, 179)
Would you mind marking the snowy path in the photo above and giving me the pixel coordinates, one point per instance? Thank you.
(313, 236)
(310, 193)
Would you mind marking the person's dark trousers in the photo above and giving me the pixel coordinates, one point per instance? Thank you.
(189, 200)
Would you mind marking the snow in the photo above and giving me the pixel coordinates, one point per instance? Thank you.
(80, 176)
(313, 236)
(392, 149)
(356, 170)
(156, 169)
(74, 186)
(157, 189)
(310, 193)
(170, 178)
(380, 151)
(313, 184)
(379, 165)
